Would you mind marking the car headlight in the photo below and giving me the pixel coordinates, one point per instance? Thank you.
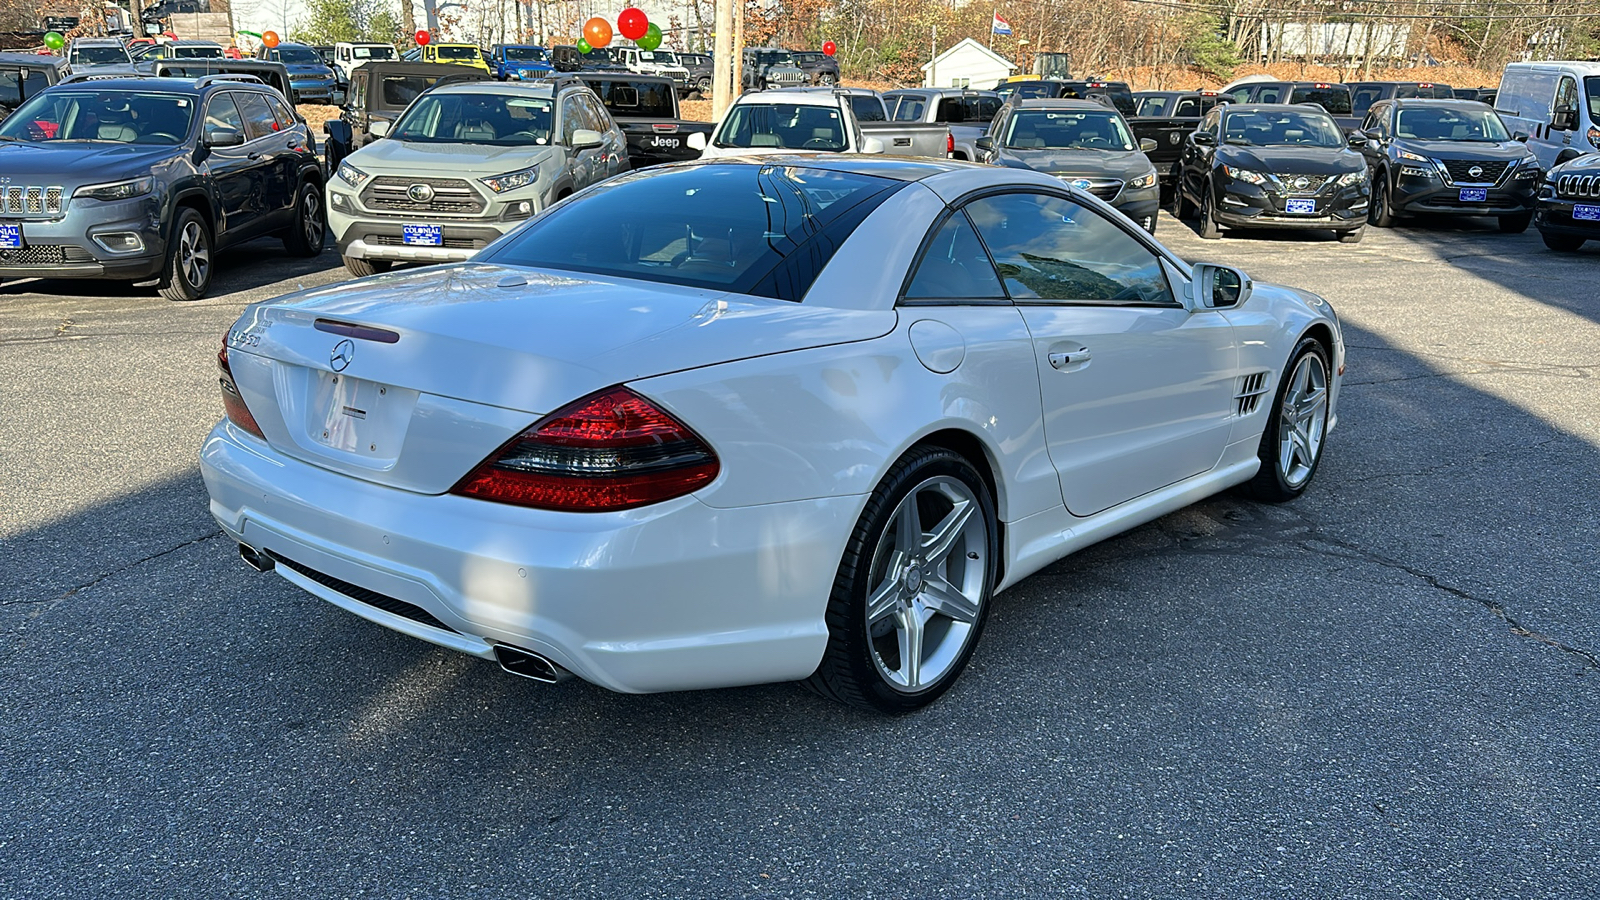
(510, 181)
(1349, 179)
(1527, 169)
(1144, 181)
(117, 190)
(351, 175)
(1414, 157)
(1244, 175)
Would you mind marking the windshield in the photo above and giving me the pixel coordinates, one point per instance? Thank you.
(634, 99)
(297, 56)
(99, 56)
(123, 117)
(525, 54)
(1591, 90)
(476, 119)
(1434, 124)
(774, 58)
(1067, 129)
(783, 126)
(1262, 128)
(1335, 99)
(448, 52)
(659, 57)
(762, 230)
(372, 52)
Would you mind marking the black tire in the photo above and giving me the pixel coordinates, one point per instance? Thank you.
(310, 229)
(1352, 236)
(332, 154)
(1272, 484)
(827, 78)
(1207, 226)
(186, 275)
(1562, 243)
(361, 268)
(851, 670)
(1182, 209)
(1516, 224)
(1380, 212)
(703, 85)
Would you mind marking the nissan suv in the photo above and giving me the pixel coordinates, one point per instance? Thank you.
(146, 178)
(466, 163)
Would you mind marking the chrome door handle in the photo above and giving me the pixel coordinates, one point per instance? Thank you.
(1061, 359)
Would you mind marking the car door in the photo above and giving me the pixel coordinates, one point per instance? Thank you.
(1137, 390)
(613, 155)
(270, 144)
(237, 173)
(1376, 127)
(1196, 165)
(581, 164)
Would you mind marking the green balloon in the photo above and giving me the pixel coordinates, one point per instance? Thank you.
(651, 38)
(54, 40)
(584, 46)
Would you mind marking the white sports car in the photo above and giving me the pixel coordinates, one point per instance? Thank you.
(755, 420)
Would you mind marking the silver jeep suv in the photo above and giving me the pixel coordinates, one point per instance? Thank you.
(466, 163)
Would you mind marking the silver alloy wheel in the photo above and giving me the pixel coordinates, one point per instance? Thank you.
(311, 219)
(1302, 420)
(194, 258)
(927, 579)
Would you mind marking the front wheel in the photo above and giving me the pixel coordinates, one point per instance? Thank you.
(912, 591)
(1516, 224)
(187, 273)
(1208, 228)
(1379, 211)
(1291, 445)
(361, 268)
(1562, 243)
(304, 237)
(826, 78)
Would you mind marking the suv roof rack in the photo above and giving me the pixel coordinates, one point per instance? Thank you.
(204, 80)
(80, 77)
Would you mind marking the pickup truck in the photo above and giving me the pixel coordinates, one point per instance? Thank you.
(966, 113)
(1115, 94)
(645, 107)
(1184, 110)
(1332, 97)
(931, 140)
(1365, 93)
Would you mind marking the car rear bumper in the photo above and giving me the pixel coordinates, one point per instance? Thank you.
(675, 596)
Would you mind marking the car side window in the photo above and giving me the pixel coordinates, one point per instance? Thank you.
(222, 114)
(955, 266)
(571, 119)
(358, 91)
(599, 119)
(1049, 248)
(1566, 94)
(1212, 121)
(281, 113)
(259, 121)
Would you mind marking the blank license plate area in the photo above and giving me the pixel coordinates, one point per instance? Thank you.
(1300, 207)
(1474, 195)
(357, 416)
(423, 235)
(10, 237)
(1586, 213)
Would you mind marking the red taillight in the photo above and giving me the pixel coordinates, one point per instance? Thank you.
(609, 451)
(949, 143)
(232, 403)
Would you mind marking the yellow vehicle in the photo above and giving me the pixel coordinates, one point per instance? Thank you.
(1010, 78)
(454, 54)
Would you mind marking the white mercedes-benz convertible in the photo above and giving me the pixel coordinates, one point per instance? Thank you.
(755, 420)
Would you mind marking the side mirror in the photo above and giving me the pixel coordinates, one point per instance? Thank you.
(379, 128)
(1520, 137)
(1146, 145)
(1356, 140)
(1563, 118)
(697, 141)
(871, 145)
(224, 137)
(1203, 138)
(584, 139)
(1213, 286)
(984, 143)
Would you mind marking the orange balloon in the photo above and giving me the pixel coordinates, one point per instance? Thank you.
(270, 38)
(597, 32)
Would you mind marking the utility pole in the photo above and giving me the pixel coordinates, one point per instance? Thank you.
(722, 60)
(738, 48)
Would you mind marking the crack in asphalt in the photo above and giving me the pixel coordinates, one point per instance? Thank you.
(73, 591)
(1452, 464)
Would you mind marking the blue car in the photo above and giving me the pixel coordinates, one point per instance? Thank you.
(310, 79)
(522, 62)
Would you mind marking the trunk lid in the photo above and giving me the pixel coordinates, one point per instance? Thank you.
(412, 379)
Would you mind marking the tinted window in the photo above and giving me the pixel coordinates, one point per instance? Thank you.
(635, 98)
(763, 230)
(955, 266)
(1187, 107)
(258, 118)
(14, 88)
(505, 121)
(280, 112)
(1050, 248)
(1335, 99)
(1436, 124)
(1591, 89)
(458, 53)
(523, 54)
(99, 56)
(782, 126)
(296, 56)
(1152, 106)
(1120, 96)
(910, 109)
(1271, 93)
(867, 109)
(400, 90)
(1362, 98)
(223, 114)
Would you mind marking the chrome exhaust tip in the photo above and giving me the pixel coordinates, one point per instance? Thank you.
(526, 664)
(255, 559)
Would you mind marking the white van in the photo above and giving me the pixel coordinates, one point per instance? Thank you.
(346, 56)
(1556, 104)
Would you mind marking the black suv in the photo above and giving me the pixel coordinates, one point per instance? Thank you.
(1447, 156)
(1272, 166)
(1569, 204)
(819, 66)
(140, 179)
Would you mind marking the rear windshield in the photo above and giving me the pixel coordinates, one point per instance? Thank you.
(400, 90)
(635, 99)
(968, 110)
(751, 229)
(783, 126)
(448, 52)
(372, 52)
(1334, 99)
(867, 109)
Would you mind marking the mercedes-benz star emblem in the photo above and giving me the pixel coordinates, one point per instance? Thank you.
(1476, 171)
(420, 193)
(343, 352)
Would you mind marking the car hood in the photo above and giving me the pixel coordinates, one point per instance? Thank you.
(73, 163)
(1583, 165)
(415, 158)
(1082, 163)
(1505, 150)
(307, 70)
(1292, 160)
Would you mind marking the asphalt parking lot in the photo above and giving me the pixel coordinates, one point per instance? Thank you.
(1389, 688)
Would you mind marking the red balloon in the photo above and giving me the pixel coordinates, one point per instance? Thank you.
(422, 37)
(830, 48)
(632, 23)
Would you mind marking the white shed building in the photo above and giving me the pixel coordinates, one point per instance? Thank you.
(967, 64)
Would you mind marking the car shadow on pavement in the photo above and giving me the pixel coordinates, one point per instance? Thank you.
(251, 265)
